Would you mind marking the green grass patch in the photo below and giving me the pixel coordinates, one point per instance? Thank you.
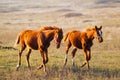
(104, 66)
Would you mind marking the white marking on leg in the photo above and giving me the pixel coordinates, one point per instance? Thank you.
(18, 66)
(66, 56)
(73, 61)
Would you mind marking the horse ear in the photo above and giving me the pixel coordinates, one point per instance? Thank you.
(95, 27)
(60, 28)
(100, 27)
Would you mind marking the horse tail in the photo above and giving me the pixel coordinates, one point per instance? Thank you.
(66, 36)
(17, 41)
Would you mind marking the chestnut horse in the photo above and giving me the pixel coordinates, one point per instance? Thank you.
(38, 40)
(82, 40)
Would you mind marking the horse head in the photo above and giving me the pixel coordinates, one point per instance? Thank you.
(98, 33)
(58, 37)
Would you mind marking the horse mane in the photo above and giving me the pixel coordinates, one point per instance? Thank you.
(48, 28)
(89, 28)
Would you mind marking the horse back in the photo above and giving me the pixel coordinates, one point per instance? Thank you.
(77, 38)
(29, 38)
(78, 35)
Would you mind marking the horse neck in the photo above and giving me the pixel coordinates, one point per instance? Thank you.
(90, 34)
(50, 34)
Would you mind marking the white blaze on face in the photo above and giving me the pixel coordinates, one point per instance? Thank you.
(100, 33)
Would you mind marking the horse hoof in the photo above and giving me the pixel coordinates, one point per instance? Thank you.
(17, 67)
(39, 67)
(29, 68)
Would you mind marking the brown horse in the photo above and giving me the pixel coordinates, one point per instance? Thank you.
(82, 40)
(38, 40)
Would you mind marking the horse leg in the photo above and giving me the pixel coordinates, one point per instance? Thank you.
(27, 57)
(67, 49)
(73, 55)
(45, 60)
(86, 57)
(89, 54)
(89, 57)
(42, 54)
(19, 56)
(46, 56)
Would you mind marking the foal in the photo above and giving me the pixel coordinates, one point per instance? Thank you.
(82, 40)
(38, 40)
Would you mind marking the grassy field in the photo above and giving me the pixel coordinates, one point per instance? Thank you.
(76, 14)
(104, 65)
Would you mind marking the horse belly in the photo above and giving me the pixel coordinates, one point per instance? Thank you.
(32, 43)
(34, 46)
(77, 44)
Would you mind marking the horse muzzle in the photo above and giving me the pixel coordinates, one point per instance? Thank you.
(100, 40)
